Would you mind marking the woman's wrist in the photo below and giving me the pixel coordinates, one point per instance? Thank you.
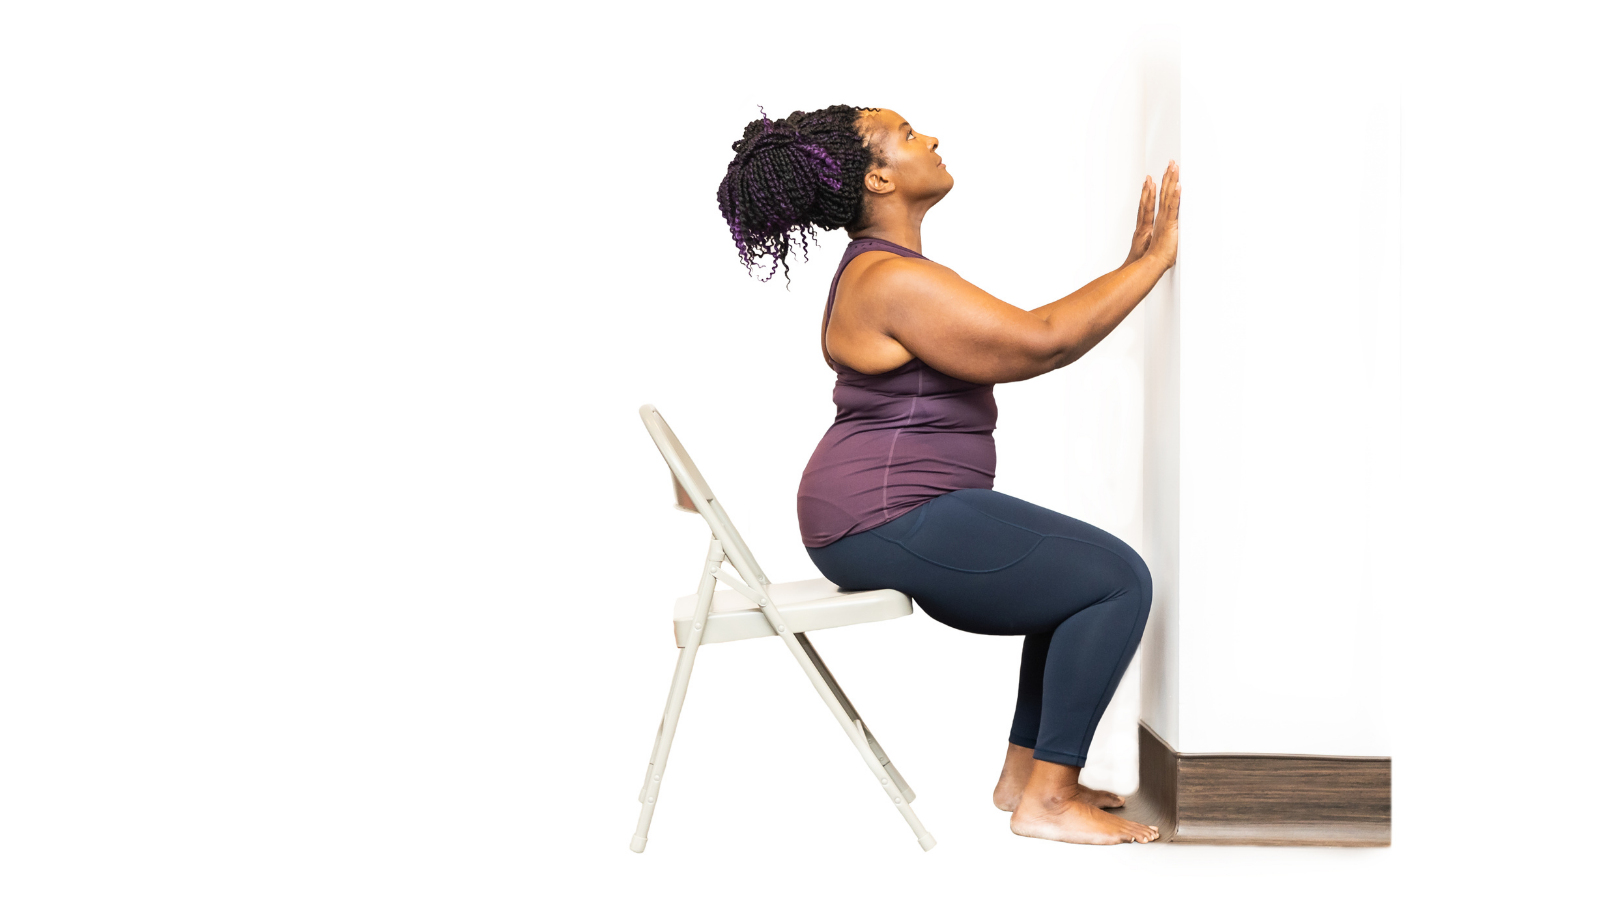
(1153, 262)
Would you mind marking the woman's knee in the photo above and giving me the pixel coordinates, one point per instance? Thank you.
(1140, 579)
(1132, 570)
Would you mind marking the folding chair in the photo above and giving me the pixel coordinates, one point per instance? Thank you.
(753, 607)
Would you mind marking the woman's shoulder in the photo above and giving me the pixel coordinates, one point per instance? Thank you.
(884, 273)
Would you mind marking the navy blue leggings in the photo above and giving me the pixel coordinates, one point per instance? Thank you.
(986, 562)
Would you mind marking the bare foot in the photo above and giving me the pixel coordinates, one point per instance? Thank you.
(1014, 779)
(1055, 807)
(1076, 822)
(1099, 799)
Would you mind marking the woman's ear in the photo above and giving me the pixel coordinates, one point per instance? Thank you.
(877, 183)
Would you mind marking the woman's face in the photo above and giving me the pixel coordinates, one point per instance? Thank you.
(912, 166)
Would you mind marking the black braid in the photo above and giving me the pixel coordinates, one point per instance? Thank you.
(792, 176)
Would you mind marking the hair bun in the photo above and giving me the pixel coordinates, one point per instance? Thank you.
(788, 147)
(792, 175)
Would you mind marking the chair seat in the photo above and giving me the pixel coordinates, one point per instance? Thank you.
(806, 606)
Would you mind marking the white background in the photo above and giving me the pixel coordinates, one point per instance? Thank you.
(334, 561)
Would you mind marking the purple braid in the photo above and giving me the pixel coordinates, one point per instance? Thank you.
(790, 177)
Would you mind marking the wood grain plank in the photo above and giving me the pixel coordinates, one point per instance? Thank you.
(1156, 802)
(1261, 799)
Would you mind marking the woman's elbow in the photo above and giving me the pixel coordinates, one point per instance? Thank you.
(1065, 357)
(1052, 354)
(1031, 363)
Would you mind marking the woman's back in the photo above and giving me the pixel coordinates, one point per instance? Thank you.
(900, 439)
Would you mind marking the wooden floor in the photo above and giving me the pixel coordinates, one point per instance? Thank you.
(1260, 799)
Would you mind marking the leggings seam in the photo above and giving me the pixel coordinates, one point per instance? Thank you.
(1078, 759)
(934, 562)
(1039, 533)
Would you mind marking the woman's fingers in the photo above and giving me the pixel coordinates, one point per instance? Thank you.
(1158, 216)
(1169, 187)
(1144, 225)
(1164, 240)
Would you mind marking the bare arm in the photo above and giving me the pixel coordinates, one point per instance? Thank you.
(918, 308)
(1084, 317)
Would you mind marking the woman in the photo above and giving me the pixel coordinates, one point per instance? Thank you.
(899, 493)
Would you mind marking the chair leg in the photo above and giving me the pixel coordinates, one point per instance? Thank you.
(850, 710)
(658, 756)
(894, 774)
(680, 687)
(876, 760)
(651, 765)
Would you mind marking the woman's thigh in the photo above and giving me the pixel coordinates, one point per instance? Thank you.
(987, 562)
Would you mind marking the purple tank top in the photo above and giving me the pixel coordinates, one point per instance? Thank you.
(899, 440)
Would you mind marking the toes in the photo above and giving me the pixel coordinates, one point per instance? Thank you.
(1143, 834)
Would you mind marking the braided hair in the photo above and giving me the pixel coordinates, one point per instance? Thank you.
(792, 176)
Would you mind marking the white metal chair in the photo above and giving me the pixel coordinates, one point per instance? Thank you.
(754, 607)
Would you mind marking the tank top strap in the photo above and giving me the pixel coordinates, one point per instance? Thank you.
(855, 249)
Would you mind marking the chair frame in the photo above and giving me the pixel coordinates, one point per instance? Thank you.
(748, 579)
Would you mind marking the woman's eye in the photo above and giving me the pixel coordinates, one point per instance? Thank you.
(911, 135)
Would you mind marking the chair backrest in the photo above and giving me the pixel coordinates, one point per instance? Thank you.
(688, 480)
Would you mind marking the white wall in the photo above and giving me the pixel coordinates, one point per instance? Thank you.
(1271, 398)
(1160, 107)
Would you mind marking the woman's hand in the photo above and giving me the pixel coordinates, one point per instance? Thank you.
(1164, 233)
(1144, 226)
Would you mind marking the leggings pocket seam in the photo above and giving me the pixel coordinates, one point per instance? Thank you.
(1039, 539)
(980, 512)
(1060, 537)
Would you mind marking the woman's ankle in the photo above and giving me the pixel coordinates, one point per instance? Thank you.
(1052, 784)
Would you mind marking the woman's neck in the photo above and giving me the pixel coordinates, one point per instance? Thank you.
(905, 230)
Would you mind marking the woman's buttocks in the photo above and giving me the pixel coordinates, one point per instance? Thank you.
(900, 439)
